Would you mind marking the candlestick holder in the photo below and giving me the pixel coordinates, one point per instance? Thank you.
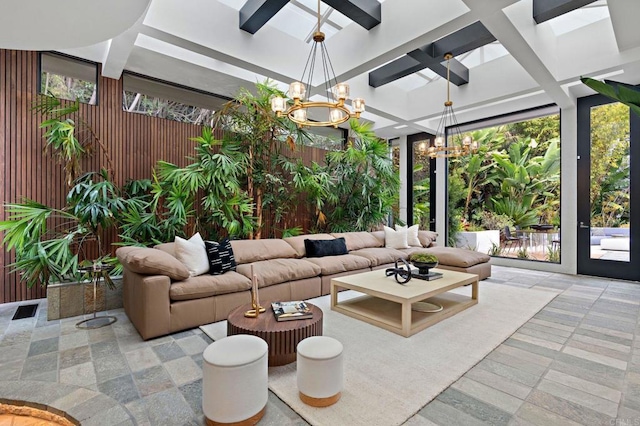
(255, 303)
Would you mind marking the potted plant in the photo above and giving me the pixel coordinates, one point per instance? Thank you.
(424, 262)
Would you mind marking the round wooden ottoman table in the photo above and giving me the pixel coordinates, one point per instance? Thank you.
(281, 337)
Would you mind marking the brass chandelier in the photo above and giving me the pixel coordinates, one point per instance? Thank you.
(456, 145)
(331, 112)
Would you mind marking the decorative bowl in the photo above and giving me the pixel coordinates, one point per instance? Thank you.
(423, 267)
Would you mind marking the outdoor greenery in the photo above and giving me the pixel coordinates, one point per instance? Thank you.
(513, 179)
(610, 145)
(609, 194)
(69, 88)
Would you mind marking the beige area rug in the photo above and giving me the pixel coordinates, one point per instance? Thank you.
(389, 378)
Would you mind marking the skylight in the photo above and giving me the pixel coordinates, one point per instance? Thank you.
(482, 55)
(579, 18)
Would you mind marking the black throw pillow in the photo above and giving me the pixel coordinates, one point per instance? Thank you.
(320, 248)
(220, 256)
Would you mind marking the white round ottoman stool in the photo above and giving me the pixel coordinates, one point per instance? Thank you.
(234, 382)
(319, 370)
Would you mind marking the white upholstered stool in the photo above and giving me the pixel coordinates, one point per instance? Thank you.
(319, 372)
(234, 383)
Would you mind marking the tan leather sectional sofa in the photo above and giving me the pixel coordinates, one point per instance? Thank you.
(161, 298)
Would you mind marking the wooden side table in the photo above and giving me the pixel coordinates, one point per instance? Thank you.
(96, 271)
(281, 337)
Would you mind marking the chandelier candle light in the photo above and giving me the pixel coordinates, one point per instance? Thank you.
(458, 146)
(331, 112)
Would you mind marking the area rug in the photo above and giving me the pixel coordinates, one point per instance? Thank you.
(389, 378)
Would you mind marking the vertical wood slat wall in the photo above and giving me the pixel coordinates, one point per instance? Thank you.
(135, 143)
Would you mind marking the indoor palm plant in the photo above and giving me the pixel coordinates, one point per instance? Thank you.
(52, 244)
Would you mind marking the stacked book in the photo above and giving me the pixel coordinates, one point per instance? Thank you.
(287, 311)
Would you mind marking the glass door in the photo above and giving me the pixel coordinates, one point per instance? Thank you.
(607, 229)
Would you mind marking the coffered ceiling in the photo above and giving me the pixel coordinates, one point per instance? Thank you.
(199, 43)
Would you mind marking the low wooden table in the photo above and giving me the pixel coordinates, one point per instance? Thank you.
(387, 304)
(282, 337)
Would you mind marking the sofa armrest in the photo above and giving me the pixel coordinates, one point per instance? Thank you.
(146, 303)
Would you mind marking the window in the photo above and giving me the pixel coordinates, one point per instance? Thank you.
(328, 138)
(159, 99)
(510, 187)
(68, 78)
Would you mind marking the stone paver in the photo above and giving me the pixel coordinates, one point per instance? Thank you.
(575, 362)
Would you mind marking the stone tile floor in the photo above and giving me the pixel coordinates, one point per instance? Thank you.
(575, 362)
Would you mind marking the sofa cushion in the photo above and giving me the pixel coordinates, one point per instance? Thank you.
(276, 271)
(330, 265)
(148, 261)
(322, 248)
(208, 285)
(167, 248)
(247, 251)
(412, 235)
(358, 240)
(193, 254)
(380, 255)
(220, 256)
(379, 235)
(297, 242)
(459, 257)
(395, 239)
(427, 238)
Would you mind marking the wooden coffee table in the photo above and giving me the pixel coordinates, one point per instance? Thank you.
(387, 304)
(282, 337)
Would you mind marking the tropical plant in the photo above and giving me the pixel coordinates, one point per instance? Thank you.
(365, 182)
(50, 242)
(68, 135)
(316, 184)
(473, 169)
(609, 168)
(621, 92)
(496, 250)
(523, 179)
(553, 254)
(523, 253)
(421, 201)
(492, 220)
(263, 138)
(206, 193)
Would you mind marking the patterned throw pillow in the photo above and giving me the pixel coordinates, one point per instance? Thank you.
(220, 255)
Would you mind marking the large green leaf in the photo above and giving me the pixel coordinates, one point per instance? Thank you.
(628, 95)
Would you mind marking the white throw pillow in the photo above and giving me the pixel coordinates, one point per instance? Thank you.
(395, 239)
(412, 235)
(193, 254)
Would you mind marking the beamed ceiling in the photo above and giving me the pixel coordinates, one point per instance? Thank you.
(509, 54)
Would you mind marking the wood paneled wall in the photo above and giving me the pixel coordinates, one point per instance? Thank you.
(135, 143)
